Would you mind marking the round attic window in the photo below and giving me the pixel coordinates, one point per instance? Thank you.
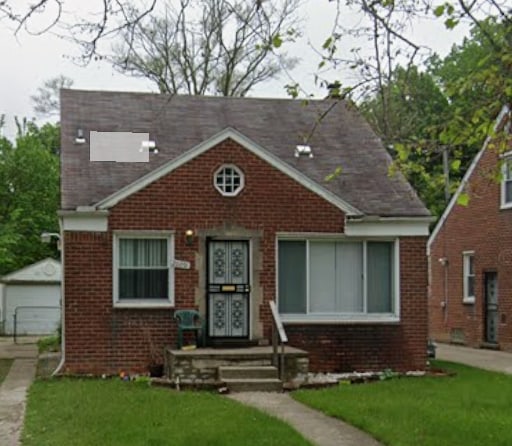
(228, 180)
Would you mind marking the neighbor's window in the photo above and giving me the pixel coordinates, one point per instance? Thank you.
(506, 184)
(468, 258)
(143, 269)
(329, 279)
(229, 180)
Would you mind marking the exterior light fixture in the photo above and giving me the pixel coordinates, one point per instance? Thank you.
(303, 150)
(189, 237)
(80, 137)
(46, 237)
(148, 145)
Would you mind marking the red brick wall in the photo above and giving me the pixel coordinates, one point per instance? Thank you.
(481, 227)
(100, 338)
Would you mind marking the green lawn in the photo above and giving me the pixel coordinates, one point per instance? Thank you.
(471, 408)
(112, 412)
(5, 365)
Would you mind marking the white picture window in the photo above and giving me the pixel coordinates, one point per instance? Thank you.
(506, 183)
(319, 279)
(143, 270)
(229, 180)
(468, 258)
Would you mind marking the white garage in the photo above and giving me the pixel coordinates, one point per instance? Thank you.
(33, 295)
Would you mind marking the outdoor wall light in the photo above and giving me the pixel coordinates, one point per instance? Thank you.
(149, 146)
(46, 237)
(80, 137)
(189, 237)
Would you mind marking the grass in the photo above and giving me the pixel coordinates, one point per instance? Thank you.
(5, 365)
(113, 412)
(470, 409)
(49, 344)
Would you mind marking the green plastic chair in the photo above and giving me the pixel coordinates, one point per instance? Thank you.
(190, 320)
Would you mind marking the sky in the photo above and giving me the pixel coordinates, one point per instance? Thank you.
(27, 61)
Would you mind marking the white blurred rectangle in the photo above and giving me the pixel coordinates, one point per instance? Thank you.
(122, 147)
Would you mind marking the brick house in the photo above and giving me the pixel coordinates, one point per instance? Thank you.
(222, 204)
(470, 296)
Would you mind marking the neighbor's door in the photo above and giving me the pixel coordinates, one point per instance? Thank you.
(491, 307)
(228, 289)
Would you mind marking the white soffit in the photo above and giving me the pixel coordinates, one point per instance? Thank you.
(388, 227)
(84, 221)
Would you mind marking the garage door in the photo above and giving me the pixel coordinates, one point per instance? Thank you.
(35, 320)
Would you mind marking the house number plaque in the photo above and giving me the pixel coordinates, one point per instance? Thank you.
(181, 264)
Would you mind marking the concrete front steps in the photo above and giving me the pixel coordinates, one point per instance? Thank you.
(200, 368)
(250, 378)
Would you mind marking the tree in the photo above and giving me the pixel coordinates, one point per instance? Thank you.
(408, 114)
(410, 108)
(29, 195)
(449, 108)
(476, 78)
(208, 46)
(100, 21)
(46, 100)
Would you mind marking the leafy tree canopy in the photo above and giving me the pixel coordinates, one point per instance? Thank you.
(448, 107)
(29, 195)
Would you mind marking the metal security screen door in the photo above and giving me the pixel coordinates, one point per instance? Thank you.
(491, 307)
(228, 289)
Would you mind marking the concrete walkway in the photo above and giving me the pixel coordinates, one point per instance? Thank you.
(494, 360)
(320, 429)
(13, 390)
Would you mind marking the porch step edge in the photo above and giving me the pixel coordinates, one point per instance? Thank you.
(248, 372)
(253, 384)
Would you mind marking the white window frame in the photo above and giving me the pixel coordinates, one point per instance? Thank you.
(142, 303)
(507, 158)
(466, 256)
(364, 317)
(240, 174)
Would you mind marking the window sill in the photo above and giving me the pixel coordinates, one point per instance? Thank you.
(143, 303)
(505, 206)
(340, 319)
(468, 300)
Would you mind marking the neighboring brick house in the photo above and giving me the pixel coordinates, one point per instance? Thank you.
(470, 253)
(231, 211)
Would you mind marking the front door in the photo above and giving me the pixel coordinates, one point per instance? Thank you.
(228, 289)
(491, 307)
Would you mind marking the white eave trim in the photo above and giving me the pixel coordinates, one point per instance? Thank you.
(387, 226)
(465, 179)
(245, 142)
(86, 221)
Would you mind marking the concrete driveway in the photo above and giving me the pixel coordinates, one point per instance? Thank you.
(25, 347)
(494, 360)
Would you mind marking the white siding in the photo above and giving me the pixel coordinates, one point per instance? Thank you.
(33, 321)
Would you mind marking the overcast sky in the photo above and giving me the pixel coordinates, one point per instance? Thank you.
(27, 61)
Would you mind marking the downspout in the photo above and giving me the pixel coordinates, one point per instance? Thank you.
(62, 306)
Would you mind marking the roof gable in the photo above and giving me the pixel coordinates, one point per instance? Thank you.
(465, 179)
(206, 145)
(46, 270)
(182, 125)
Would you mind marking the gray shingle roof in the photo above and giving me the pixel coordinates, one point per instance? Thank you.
(178, 123)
